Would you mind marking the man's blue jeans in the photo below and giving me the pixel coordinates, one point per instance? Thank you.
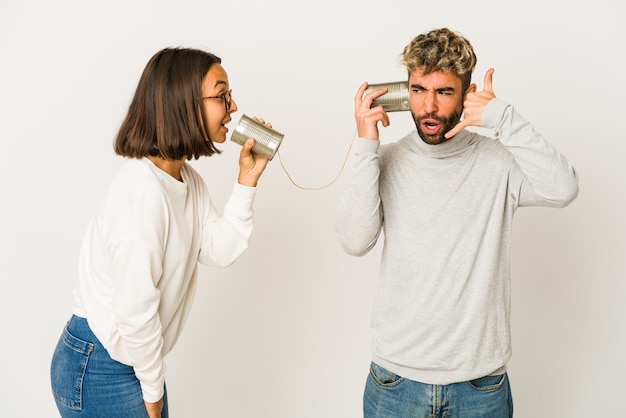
(388, 395)
(87, 382)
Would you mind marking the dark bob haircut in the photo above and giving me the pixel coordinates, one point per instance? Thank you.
(166, 118)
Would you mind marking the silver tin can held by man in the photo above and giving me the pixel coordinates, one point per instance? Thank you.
(395, 100)
(267, 140)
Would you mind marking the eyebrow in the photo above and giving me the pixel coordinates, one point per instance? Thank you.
(440, 89)
(220, 82)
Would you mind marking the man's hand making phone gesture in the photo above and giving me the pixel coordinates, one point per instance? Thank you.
(474, 105)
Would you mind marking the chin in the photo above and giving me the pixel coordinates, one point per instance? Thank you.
(430, 139)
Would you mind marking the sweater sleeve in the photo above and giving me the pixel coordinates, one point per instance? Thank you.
(543, 176)
(136, 271)
(360, 216)
(225, 237)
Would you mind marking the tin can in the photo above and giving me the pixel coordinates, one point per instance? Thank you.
(395, 100)
(267, 140)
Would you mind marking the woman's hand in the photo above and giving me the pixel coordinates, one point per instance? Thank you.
(251, 165)
(154, 409)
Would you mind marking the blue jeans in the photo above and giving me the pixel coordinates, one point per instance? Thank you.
(87, 382)
(388, 395)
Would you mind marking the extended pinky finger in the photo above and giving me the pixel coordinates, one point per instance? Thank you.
(457, 128)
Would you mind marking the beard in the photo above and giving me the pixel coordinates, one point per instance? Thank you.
(447, 123)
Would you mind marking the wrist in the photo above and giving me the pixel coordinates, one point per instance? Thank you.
(247, 182)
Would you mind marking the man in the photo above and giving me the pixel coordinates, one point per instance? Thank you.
(444, 198)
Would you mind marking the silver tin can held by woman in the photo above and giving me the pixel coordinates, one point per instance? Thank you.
(395, 100)
(267, 140)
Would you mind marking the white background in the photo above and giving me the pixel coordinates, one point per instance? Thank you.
(284, 332)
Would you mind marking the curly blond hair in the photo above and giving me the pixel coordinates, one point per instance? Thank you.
(440, 50)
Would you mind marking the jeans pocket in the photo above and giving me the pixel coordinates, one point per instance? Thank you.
(384, 377)
(69, 364)
(488, 383)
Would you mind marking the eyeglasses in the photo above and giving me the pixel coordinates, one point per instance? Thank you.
(226, 97)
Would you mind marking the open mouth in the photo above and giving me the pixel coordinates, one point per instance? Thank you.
(431, 126)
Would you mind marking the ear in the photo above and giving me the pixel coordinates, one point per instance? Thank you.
(470, 89)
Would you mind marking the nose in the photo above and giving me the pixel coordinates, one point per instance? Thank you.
(430, 102)
(233, 106)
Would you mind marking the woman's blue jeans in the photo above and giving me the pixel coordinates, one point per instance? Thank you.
(388, 395)
(87, 382)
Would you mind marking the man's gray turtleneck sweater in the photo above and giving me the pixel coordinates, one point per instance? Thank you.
(441, 313)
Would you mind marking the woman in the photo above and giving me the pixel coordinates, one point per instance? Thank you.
(153, 224)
